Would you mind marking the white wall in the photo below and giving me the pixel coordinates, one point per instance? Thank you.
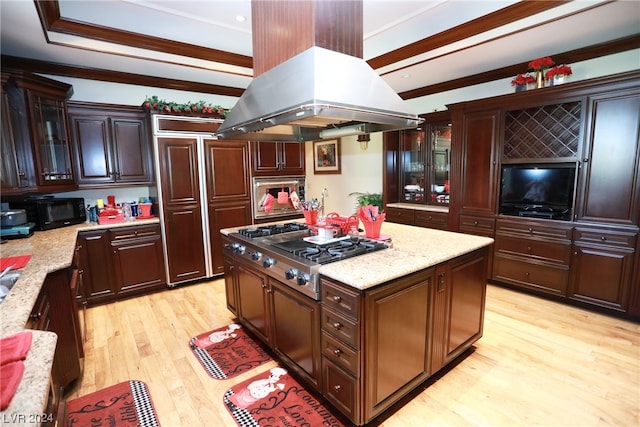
(361, 170)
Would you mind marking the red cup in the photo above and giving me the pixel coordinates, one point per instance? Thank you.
(111, 201)
(372, 228)
(310, 217)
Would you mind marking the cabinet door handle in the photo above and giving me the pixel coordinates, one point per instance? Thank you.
(263, 286)
(337, 352)
(337, 298)
(35, 316)
(337, 325)
(441, 282)
(337, 388)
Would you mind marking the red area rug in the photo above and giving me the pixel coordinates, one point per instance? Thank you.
(121, 405)
(227, 352)
(273, 398)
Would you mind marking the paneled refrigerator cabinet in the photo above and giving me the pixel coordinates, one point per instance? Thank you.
(203, 186)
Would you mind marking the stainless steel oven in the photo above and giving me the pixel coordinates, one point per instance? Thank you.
(272, 196)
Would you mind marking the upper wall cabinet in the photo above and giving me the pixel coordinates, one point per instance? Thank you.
(277, 158)
(111, 145)
(35, 138)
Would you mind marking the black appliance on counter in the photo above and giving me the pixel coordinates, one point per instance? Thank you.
(48, 212)
(290, 253)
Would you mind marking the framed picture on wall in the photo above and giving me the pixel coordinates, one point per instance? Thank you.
(326, 156)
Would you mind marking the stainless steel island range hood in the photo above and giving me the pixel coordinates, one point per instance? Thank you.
(316, 94)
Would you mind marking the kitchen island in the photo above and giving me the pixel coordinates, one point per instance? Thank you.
(384, 321)
(50, 251)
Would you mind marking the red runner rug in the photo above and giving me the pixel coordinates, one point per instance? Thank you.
(273, 398)
(121, 405)
(227, 352)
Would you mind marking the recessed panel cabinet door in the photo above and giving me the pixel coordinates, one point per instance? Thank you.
(132, 156)
(611, 162)
(478, 191)
(181, 204)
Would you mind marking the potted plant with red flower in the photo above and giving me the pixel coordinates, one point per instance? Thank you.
(522, 81)
(558, 74)
(539, 66)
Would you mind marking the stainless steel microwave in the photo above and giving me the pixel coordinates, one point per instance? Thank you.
(53, 212)
(269, 196)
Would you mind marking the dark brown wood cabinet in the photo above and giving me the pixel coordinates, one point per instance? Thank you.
(295, 322)
(278, 158)
(97, 266)
(138, 259)
(111, 145)
(55, 311)
(120, 262)
(181, 205)
(602, 266)
(254, 301)
(594, 124)
(228, 192)
(419, 217)
(366, 349)
(284, 319)
(35, 136)
(205, 185)
(535, 254)
(609, 191)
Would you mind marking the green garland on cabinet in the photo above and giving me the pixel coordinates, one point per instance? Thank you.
(153, 103)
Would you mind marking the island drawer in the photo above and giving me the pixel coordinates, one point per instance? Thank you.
(340, 327)
(340, 389)
(340, 299)
(538, 276)
(559, 253)
(340, 354)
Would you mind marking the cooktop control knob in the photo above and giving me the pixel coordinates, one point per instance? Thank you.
(268, 262)
(291, 273)
(303, 279)
(238, 248)
(256, 255)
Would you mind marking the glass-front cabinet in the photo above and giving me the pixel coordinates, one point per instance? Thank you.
(425, 155)
(53, 150)
(35, 138)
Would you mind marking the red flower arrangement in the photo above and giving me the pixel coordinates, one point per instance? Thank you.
(558, 70)
(523, 79)
(200, 107)
(541, 63)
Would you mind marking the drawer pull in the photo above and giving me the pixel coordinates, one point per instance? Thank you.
(337, 298)
(528, 249)
(337, 388)
(526, 274)
(337, 352)
(475, 222)
(603, 238)
(35, 316)
(530, 230)
(337, 325)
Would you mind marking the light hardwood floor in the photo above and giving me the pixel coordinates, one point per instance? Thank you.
(539, 363)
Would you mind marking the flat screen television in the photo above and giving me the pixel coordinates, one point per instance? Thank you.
(538, 190)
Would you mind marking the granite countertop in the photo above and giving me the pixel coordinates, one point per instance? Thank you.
(50, 251)
(413, 249)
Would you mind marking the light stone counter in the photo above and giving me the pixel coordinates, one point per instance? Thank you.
(50, 251)
(413, 249)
